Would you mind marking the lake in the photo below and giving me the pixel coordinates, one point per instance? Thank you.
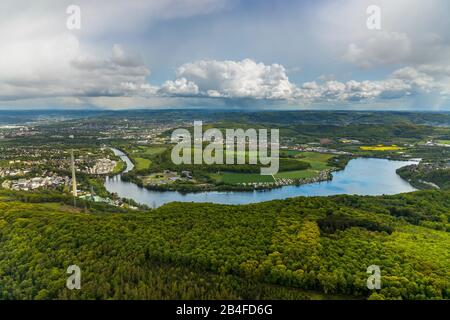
(361, 176)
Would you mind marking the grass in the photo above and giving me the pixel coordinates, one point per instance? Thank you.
(298, 174)
(234, 178)
(151, 151)
(120, 166)
(141, 163)
(246, 153)
(318, 161)
(158, 178)
(444, 142)
(141, 157)
(290, 152)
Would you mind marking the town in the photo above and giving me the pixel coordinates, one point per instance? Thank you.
(43, 160)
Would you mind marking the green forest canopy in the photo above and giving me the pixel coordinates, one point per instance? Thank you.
(300, 248)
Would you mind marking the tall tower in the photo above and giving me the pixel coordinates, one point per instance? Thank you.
(74, 178)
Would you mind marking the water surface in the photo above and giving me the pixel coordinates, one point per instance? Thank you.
(361, 176)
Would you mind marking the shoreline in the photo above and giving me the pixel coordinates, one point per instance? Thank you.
(323, 175)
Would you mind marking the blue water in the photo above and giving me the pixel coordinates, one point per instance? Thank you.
(361, 176)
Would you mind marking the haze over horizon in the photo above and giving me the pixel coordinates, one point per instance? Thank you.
(232, 54)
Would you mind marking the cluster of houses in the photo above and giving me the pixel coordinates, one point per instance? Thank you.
(7, 172)
(431, 166)
(284, 181)
(259, 184)
(98, 199)
(168, 177)
(17, 131)
(102, 166)
(12, 153)
(141, 135)
(319, 149)
(35, 183)
(350, 141)
(19, 168)
(326, 150)
(277, 183)
(432, 143)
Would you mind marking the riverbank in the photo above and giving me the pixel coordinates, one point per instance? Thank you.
(305, 168)
(325, 175)
(425, 176)
(361, 176)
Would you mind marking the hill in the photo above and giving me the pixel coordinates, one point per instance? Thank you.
(301, 248)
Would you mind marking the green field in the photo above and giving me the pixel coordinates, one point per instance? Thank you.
(284, 153)
(247, 153)
(146, 156)
(318, 161)
(234, 178)
(142, 157)
(298, 174)
(151, 151)
(120, 166)
(141, 163)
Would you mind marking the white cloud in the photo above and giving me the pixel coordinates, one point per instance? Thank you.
(403, 82)
(41, 58)
(336, 91)
(236, 79)
(55, 66)
(248, 79)
(415, 78)
(413, 32)
(180, 86)
(101, 17)
(53, 72)
(121, 58)
(436, 70)
(382, 47)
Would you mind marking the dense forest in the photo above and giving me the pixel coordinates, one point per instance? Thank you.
(300, 248)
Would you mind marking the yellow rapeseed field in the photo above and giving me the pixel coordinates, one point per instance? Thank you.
(380, 147)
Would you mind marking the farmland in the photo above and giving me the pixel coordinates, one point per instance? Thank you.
(380, 147)
(237, 178)
(141, 163)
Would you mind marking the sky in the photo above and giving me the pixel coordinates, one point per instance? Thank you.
(243, 54)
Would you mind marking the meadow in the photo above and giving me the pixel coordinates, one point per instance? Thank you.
(142, 156)
(317, 161)
(234, 178)
(141, 163)
(299, 174)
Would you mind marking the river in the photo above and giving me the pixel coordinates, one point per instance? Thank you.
(361, 176)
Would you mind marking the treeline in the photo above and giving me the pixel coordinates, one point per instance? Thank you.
(52, 196)
(163, 162)
(333, 223)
